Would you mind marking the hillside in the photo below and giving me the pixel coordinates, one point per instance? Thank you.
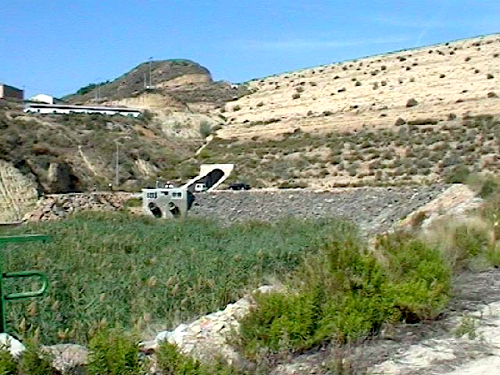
(183, 81)
(458, 77)
(68, 153)
(411, 117)
(181, 93)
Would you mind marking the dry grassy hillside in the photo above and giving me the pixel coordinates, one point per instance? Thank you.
(404, 155)
(429, 83)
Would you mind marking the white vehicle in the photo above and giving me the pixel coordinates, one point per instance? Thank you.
(199, 187)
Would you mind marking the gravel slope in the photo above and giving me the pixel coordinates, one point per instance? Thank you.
(374, 209)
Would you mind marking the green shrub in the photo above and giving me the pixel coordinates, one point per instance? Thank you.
(114, 352)
(345, 293)
(489, 187)
(205, 129)
(8, 365)
(470, 241)
(423, 121)
(34, 361)
(486, 186)
(411, 103)
(493, 255)
(419, 277)
(132, 202)
(458, 175)
(147, 116)
(172, 362)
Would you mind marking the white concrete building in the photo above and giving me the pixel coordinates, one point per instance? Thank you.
(67, 109)
(43, 98)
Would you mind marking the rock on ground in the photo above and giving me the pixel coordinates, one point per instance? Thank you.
(67, 357)
(206, 338)
(473, 349)
(15, 346)
(454, 203)
(58, 206)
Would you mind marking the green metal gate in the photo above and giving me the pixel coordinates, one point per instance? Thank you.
(4, 297)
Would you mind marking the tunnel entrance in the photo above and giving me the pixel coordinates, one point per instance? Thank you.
(209, 180)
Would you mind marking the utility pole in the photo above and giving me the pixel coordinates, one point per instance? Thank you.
(117, 166)
(150, 80)
(97, 89)
(117, 160)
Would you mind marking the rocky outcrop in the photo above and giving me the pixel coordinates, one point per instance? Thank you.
(67, 358)
(181, 84)
(207, 338)
(453, 204)
(15, 346)
(60, 206)
(61, 179)
(18, 193)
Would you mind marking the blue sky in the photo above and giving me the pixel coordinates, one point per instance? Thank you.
(57, 46)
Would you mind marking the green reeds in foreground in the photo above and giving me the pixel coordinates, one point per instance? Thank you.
(116, 269)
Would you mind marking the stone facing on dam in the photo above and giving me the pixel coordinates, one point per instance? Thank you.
(374, 209)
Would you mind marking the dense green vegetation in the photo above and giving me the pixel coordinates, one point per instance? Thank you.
(109, 269)
(171, 361)
(348, 290)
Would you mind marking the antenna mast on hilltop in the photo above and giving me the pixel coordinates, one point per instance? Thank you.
(150, 80)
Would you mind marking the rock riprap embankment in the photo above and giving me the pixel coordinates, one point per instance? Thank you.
(373, 209)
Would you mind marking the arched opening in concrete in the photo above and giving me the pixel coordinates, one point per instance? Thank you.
(155, 210)
(209, 180)
(210, 177)
(174, 210)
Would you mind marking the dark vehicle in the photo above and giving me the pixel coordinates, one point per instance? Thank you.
(239, 186)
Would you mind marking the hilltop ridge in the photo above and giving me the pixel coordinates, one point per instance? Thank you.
(184, 85)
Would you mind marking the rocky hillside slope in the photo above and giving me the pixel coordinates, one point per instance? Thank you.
(18, 194)
(419, 116)
(426, 83)
(410, 117)
(77, 152)
(184, 83)
(181, 93)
